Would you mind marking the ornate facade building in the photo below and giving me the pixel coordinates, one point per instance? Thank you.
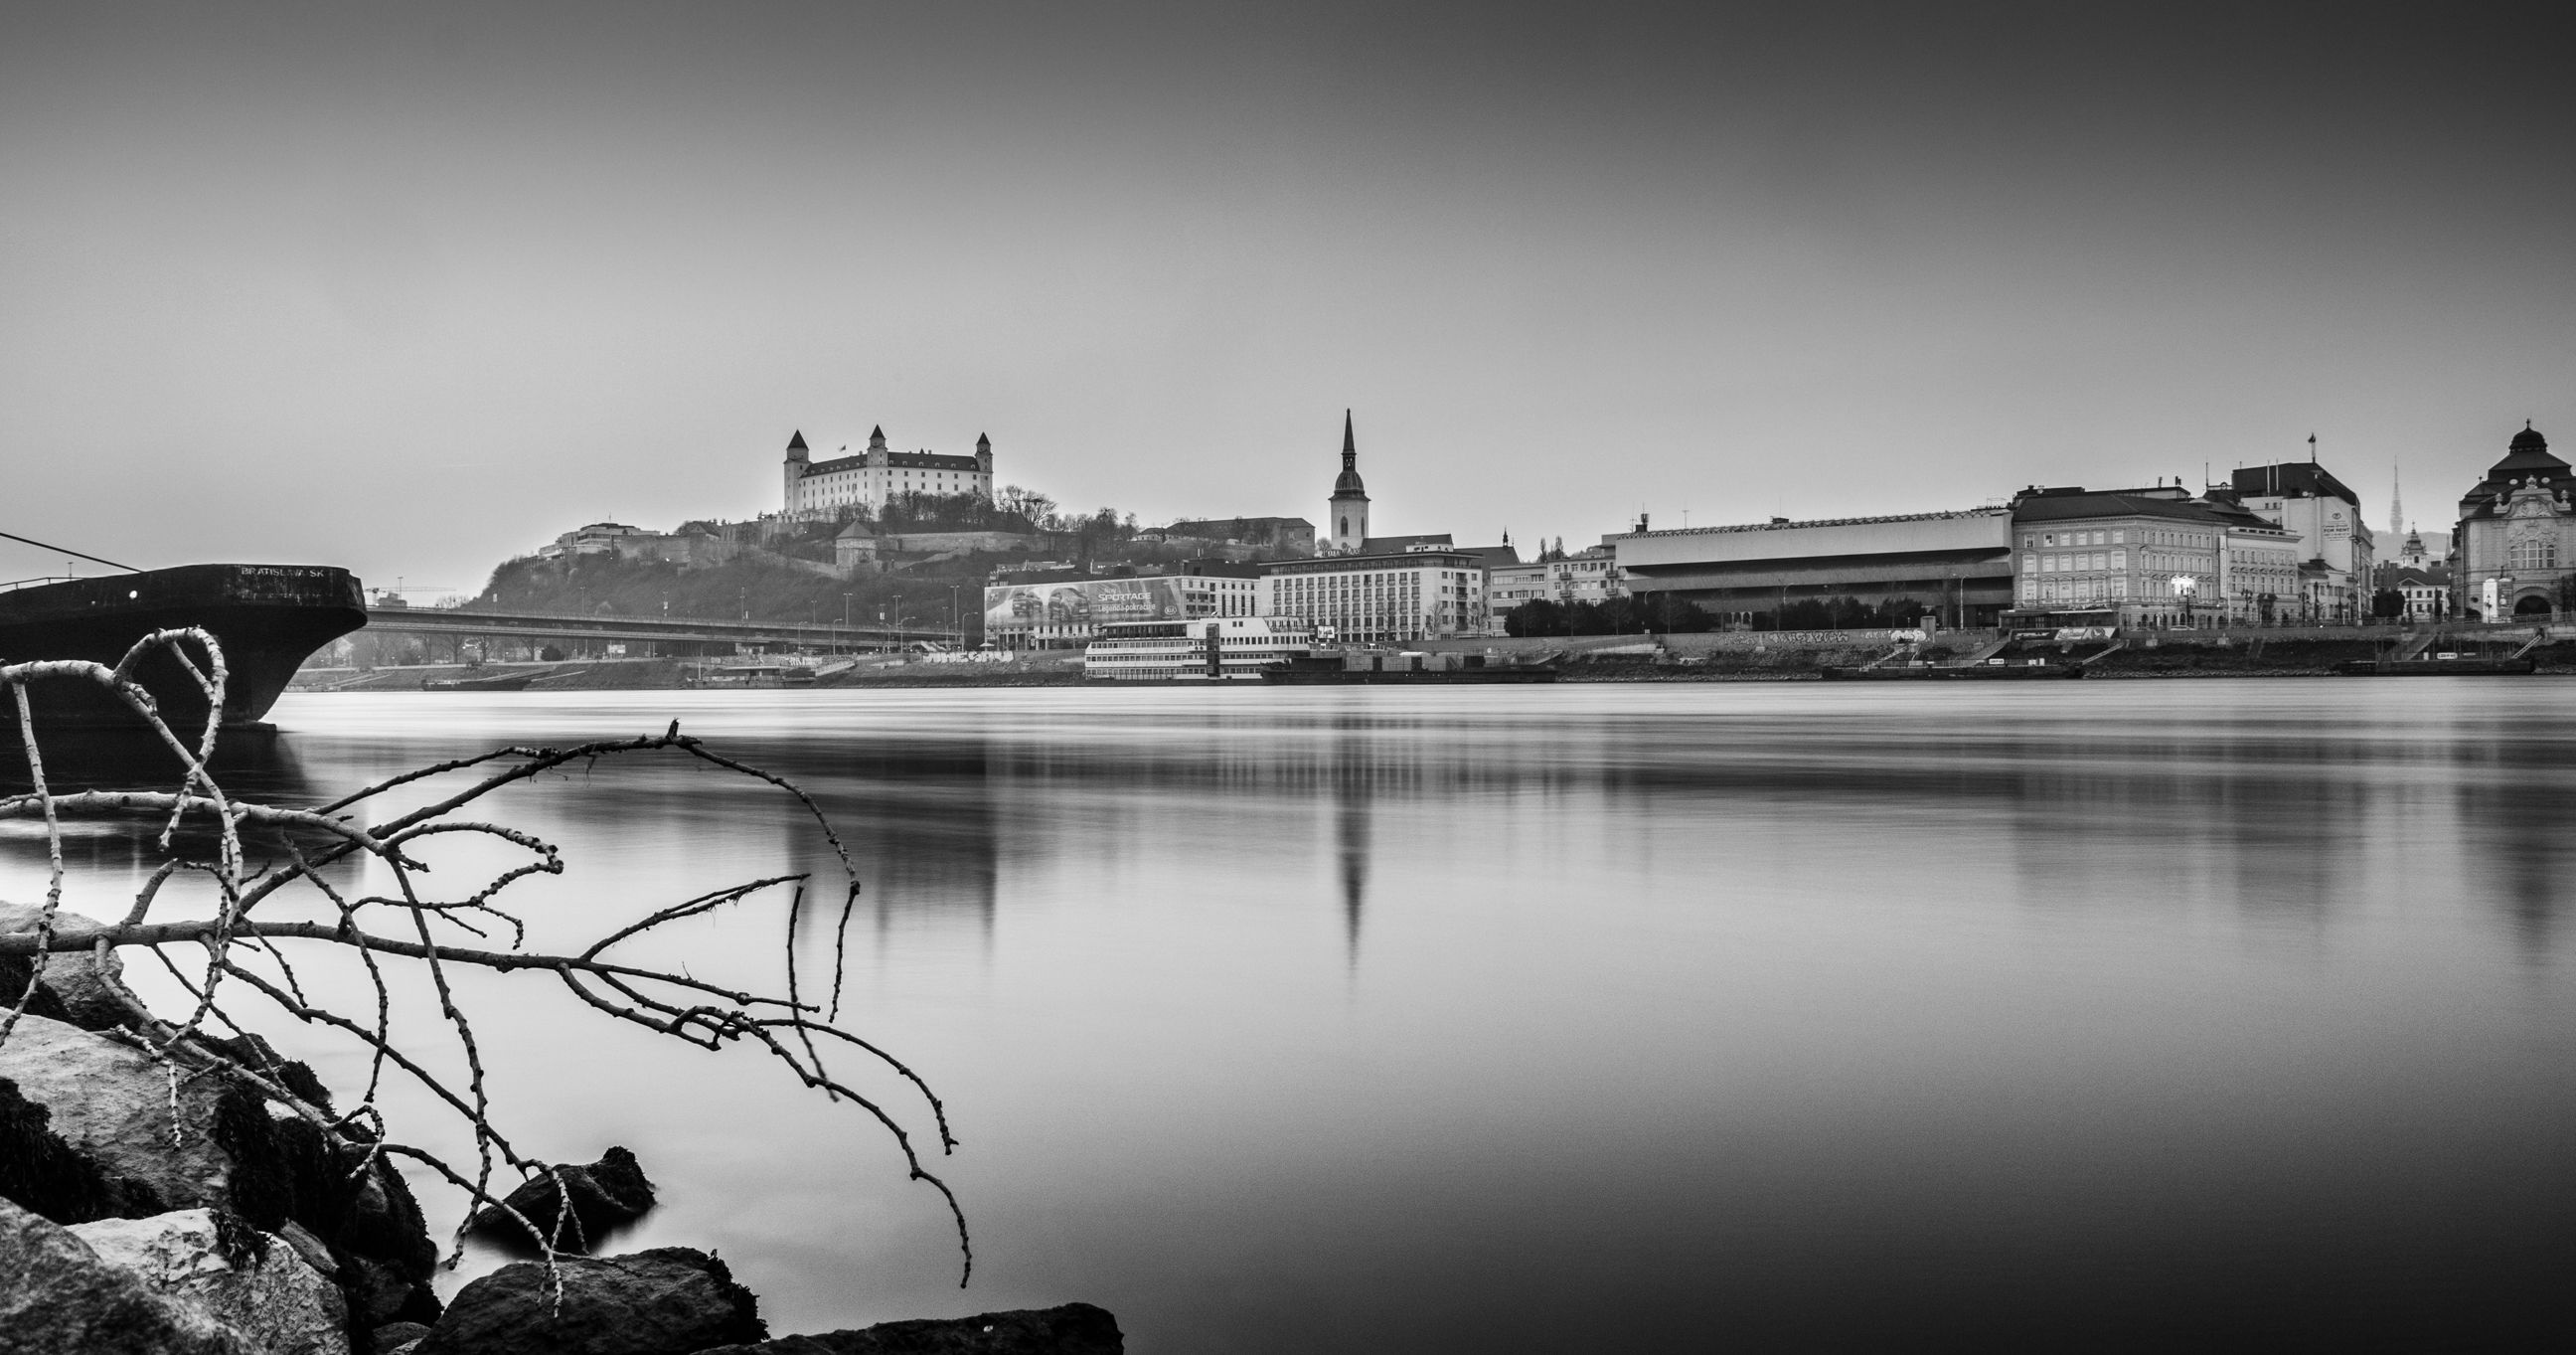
(2518, 531)
(877, 476)
(2335, 546)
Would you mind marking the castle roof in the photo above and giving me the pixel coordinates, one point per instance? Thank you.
(900, 460)
(931, 461)
(797, 443)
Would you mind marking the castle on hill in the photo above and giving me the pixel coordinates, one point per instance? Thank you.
(877, 477)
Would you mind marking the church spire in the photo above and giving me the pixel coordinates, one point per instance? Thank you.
(1349, 519)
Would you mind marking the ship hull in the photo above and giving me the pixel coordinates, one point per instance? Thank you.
(1401, 677)
(504, 682)
(1954, 673)
(2436, 667)
(268, 618)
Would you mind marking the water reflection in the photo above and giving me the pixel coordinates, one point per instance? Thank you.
(2152, 1014)
(1351, 803)
(254, 765)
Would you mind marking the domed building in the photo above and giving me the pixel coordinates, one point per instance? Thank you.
(2518, 531)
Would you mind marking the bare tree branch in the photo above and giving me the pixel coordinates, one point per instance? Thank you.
(234, 945)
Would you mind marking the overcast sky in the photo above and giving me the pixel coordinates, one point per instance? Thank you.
(414, 288)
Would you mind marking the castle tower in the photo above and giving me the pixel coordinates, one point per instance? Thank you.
(795, 470)
(1350, 504)
(876, 446)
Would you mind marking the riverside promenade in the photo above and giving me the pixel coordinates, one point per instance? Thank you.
(1721, 656)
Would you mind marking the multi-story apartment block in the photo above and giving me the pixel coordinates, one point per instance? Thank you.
(1381, 599)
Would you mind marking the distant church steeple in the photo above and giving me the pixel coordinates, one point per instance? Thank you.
(1350, 503)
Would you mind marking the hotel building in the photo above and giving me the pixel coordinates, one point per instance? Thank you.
(2150, 557)
(1381, 599)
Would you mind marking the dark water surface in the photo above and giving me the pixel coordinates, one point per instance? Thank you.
(2079, 1014)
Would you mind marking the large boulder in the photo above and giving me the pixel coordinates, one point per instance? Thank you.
(211, 1142)
(252, 1282)
(56, 1295)
(1073, 1329)
(39, 1171)
(75, 987)
(121, 1108)
(606, 1194)
(667, 1301)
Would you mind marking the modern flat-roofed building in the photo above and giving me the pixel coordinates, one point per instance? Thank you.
(1381, 599)
(1064, 609)
(1590, 575)
(1957, 565)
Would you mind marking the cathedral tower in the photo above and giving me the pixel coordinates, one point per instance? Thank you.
(1349, 515)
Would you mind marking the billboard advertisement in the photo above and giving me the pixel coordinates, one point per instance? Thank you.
(1082, 602)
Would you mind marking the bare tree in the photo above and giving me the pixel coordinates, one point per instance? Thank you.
(236, 959)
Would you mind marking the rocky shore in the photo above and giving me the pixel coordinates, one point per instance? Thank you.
(152, 1206)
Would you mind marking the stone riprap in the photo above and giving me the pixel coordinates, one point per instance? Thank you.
(258, 1284)
(607, 1194)
(667, 1301)
(1073, 1329)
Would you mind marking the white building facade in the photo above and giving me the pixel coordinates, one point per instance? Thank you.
(2335, 546)
(2517, 532)
(879, 476)
(1381, 599)
(2155, 557)
(1591, 575)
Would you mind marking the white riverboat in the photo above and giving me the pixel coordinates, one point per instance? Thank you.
(1210, 649)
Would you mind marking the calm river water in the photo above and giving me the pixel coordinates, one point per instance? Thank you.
(1589, 1017)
